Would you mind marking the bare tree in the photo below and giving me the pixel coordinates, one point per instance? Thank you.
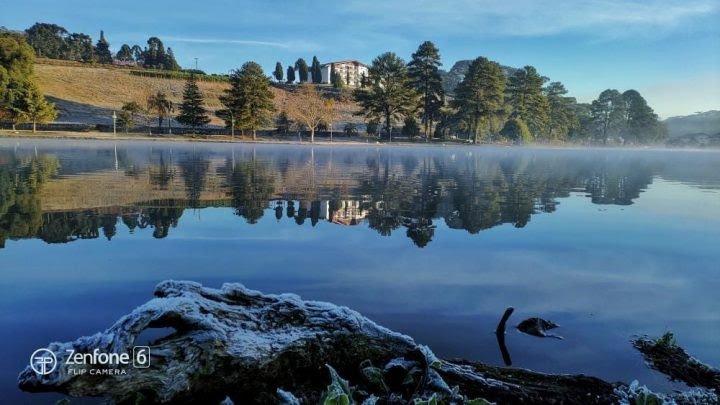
(308, 107)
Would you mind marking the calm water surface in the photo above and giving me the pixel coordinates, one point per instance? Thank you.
(432, 242)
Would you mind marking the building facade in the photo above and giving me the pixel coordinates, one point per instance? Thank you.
(350, 71)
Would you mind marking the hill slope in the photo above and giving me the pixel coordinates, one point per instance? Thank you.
(89, 94)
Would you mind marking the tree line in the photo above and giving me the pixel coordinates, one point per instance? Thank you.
(55, 42)
(488, 106)
(21, 100)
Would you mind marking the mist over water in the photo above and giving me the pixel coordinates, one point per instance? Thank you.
(432, 242)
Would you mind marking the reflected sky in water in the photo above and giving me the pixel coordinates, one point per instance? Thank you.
(433, 242)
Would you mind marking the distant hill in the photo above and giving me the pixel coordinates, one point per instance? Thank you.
(707, 122)
(452, 78)
(697, 140)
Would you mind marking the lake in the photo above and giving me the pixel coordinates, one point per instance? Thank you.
(429, 241)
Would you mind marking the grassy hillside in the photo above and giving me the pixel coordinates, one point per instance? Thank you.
(89, 94)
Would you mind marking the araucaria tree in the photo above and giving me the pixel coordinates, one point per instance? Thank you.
(102, 50)
(390, 95)
(278, 72)
(425, 77)
(479, 97)
(526, 98)
(308, 107)
(315, 71)
(192, 111)
(302, 68)
(249, 100)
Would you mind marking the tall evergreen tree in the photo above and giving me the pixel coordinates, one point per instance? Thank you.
(302, 68)
(249, 100)
(315, 71)
(425, 76)
(525, 96)
(154, 54)
(561, 117)
(20, 97)
(80, 48)
(278, 72)
(33, 107)
(169, 63)
(479, 97)
(641, 123)
(390, 95)
(290, 74)
(608, 115)
(192, 111)
(102, 49)
(125, 53)
(47, 40)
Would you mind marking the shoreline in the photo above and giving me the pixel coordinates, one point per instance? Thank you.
(342, 141)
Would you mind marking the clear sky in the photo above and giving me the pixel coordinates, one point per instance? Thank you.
(669, 50)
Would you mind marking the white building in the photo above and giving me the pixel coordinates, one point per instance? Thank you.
(351, 71)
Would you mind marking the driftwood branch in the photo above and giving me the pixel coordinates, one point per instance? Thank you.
(248, 346)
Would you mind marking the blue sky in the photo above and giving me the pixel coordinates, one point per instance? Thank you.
(668, 50)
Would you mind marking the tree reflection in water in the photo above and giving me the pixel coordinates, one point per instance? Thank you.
(412, 191)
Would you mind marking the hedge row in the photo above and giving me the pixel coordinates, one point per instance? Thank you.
(173, 74)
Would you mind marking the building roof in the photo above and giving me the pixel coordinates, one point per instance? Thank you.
(340, 62)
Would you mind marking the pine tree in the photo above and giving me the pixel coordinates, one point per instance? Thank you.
(561, 116)
(315, 71)
(33, 107)
(525, 96)
(390, 95)
(479, 97)
(608, 115)
(302, 68)
(102, 49)
(425, 76)
(641, 122)
(290, 74)
(278, 72)
(192, 111)
(170, 63)
(249, 100)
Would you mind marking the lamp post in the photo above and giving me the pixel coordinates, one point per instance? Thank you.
(114, 117)
(232, 125)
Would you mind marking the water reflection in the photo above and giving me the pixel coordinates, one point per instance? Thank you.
(390, 190)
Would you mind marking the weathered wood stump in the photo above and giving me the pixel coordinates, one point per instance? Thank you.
(242, 344)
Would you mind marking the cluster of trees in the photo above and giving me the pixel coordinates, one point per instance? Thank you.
(20, 97)
(55, 42)
(489, 106)
(191, 111)
(300, 71)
